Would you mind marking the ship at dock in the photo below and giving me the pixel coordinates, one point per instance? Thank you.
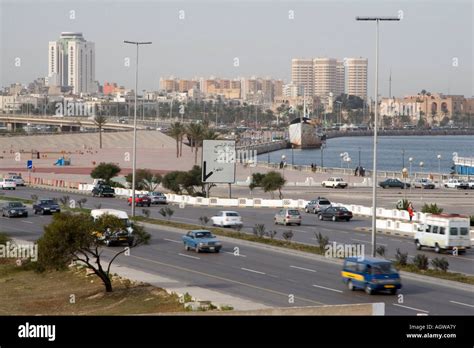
(304, 133)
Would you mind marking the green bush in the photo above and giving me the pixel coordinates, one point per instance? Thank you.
(381, 250)
(287, 235)
(203, 220)
(146, 212)
(401, 259)
(322, 241)
(421, 262)
(431, 208)
(440, 264)
(259, 230)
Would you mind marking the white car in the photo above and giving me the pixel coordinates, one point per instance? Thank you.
(456, 183)
(227, 218)
(470, 183)
(18, 180)
(7, 184)
(334, 182)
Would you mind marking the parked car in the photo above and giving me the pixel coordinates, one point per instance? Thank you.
(7, 184)
(456, 183)
(157, 198)
(46, 206)
(288, 217)
(316, 205)
(18, 180)
(123, 235)
(335, 183)
(370, 274)
(470, 183)
(201, 240)
(388, 183)
(11, 209)
(227, 219)
(335, 214)
(103, 191)
(424, 184)
(140, 200)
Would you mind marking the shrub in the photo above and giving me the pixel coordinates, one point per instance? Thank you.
(288, 235)
(34, 197)
(81, 202)
(401, 259)
(381, 250)
(322, 241)
(271, 234)
(259, 230)
(64, 200)
(203, 220)
(146, 212)
(440, 264)
(421, 262)
(98, 206)
(431, 208)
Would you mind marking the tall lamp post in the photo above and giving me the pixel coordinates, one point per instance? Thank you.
(134, 161)
(439, 164)
(409, 173)
(283, 157)
(374, 171)
(421, 169)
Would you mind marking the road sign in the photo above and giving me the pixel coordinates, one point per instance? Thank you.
(218, 161)
(29, 164)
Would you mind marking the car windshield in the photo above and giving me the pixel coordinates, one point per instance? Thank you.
(204, 235)
(232, 214)
(383, 268)
(293, 212)
(324, 202)
(47, 201)
(16, 205)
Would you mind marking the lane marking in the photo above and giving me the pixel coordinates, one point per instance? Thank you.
(366, 241)
(251, 270)
(413, 309)
(230, 252)
(26, 222)
(462, 304)
(304, 269)
(172, 240)
(323, 287)
(191, 257)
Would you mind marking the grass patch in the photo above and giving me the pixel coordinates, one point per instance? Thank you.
(26, 292)
(15, 199)
(234, 234)
(458, 277)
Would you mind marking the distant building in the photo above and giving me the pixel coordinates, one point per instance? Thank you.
(356, 70)
(71, 62)
(302, 74)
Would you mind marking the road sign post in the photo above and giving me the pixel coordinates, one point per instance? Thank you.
(29, 166)
(218, 162)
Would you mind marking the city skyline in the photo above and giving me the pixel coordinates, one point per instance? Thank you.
(182, 46)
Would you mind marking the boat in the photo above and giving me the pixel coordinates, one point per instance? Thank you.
(305, 133)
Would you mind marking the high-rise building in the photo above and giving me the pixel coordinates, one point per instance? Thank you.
(357, 77)
(340, 78)
(325, 76)
(302, 74)
(71, 62)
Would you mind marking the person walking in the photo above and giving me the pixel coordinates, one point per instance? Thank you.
(411, 211)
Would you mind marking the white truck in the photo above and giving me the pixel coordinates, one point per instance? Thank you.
(444, 232)
(456, 183)
(335, 182)
(120, 236)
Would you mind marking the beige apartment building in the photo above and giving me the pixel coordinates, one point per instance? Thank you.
(356, 70)
(302, 74)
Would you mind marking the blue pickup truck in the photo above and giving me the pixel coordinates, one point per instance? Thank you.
(201, 240)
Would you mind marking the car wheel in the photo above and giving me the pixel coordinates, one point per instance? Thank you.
(368, 290)
(43, 212)
(218, 250)
(306, 210)
(437, 249)
(320, 217)
(418, 245)
(350, 286)
(334, 218)
(26, 215)
(393, 291)
(314, 211)
(348, 219)
(299, 224)
(130, 244)
(186, 247)
(149, 204)
(108, 242)
(197, 249)
(445, 186)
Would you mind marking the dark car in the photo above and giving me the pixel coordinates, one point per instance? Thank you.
(46, 206)
(103, 191)
(335, 214)
(393, 183)
(12, 209)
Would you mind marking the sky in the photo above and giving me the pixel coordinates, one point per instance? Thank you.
(430, 48)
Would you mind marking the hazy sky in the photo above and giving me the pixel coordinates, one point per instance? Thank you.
(420, 49)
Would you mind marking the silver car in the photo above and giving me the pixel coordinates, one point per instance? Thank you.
(288, 217)
(157, 198)
(317, 205)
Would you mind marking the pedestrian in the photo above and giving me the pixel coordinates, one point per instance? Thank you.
(356, 171)
(411, 211)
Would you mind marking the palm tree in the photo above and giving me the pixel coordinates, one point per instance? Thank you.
(177, 132)
(100, 121)
(195, 131)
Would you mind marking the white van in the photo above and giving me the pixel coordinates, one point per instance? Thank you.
(444, 232)
(124, 235)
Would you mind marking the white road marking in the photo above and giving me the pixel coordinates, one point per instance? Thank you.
(413, 309)
(230, 252)
(323, 287)
(462, 304)
(366, 241)
(304, 269)
(172, 240)
(26, 222)
(300, 231)
(191, 257)
(251, 270)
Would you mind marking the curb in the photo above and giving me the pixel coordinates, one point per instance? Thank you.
(407, 275)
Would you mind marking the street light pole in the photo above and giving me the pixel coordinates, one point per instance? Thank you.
(374, 171)
(134, 161)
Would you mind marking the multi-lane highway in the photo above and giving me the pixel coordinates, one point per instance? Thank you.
(259, 274)
(340, 232)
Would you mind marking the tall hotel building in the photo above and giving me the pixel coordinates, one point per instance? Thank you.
(357, 77)
(71, 62)
(302, 75)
